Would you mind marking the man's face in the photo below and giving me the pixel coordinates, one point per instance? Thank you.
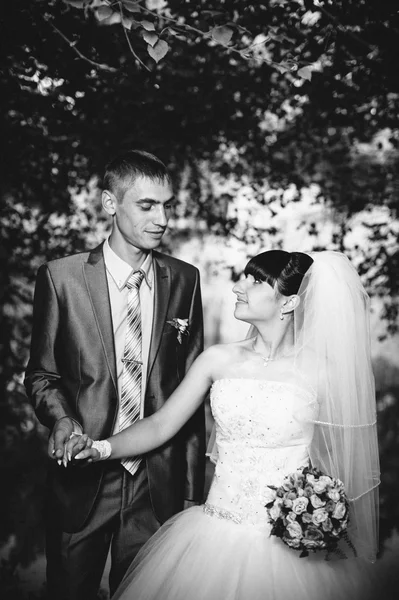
(141, 217)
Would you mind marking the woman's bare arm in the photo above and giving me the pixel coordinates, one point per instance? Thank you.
(149, 433)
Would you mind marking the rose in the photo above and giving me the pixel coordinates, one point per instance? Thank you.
(306, 517)
(327, 525)
(300, 505)
(319, 515)
(334, 495)
(316, 501)
(309, 544)
(294, 530)
(339, 510)
(292, 543)
(321, 485)
(308, 490)
(330, 505)
(313, 533)
(291, 516)
(288, 485)
(275, 512)
(339, 486)
(298, 479)
(269, 495)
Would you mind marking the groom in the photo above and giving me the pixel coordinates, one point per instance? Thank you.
(78, 380)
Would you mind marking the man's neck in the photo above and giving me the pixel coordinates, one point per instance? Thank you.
(130, 254)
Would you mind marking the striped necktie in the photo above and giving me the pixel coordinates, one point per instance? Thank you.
(132, 364)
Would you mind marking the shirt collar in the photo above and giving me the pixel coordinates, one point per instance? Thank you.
(120, 270)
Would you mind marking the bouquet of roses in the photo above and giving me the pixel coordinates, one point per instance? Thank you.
(309, 511)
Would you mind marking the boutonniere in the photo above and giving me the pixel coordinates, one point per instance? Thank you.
(182, 327)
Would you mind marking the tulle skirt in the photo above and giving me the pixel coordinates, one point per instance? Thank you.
(195, 556)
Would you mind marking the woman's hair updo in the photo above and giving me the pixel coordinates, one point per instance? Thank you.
(287, 269)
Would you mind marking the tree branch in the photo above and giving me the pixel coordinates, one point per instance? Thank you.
(128, 40)
(71, 44)
(343, 29)
(203, 34)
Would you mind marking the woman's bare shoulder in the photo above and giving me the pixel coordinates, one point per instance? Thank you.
(221, 355)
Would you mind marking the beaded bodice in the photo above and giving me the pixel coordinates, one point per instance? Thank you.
(261, 436)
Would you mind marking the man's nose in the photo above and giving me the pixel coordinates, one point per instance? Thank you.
(160, 217)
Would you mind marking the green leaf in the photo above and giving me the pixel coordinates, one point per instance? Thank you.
(212, 13)
(104, 12)
(150, 37)
(76, 3)
(281, 67)
(148, 26)
(97, 3)
(127, 22)
(222, 34)
(305, 73)
(131, 6)
(159, 50)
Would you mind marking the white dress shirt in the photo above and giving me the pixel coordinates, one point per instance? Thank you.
(118, 272)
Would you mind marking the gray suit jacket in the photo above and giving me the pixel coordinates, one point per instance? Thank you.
(72, 372)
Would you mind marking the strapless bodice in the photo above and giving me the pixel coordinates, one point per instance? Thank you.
(263, 432)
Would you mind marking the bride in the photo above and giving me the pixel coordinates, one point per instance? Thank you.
(298, 391)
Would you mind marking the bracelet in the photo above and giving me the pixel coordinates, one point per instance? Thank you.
(103, 447)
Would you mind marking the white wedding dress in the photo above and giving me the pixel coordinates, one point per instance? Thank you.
(223, 550)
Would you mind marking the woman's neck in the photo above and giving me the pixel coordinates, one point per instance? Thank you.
(274, 344)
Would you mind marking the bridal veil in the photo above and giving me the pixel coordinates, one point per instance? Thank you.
(332, 353)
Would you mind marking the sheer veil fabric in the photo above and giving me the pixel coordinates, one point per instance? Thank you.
(332, 354)
(332, 359)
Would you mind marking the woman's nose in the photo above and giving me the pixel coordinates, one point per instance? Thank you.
(238, 287)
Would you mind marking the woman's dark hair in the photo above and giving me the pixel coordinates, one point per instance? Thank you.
(287, 269)
(122, 171)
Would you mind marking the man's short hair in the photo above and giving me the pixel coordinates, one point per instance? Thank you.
(122, 171)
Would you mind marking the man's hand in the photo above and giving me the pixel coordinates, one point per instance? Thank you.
(59, 437)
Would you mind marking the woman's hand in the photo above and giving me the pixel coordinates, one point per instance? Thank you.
(79, 447)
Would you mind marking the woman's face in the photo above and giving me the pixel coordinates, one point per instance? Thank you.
(256, 302)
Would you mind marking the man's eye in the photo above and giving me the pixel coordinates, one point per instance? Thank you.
(146, 206)
(258, 281)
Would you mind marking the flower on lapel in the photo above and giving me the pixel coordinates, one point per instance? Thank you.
(182, 327)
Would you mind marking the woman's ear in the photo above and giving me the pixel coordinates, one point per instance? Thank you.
(290, 304)
(108, 201)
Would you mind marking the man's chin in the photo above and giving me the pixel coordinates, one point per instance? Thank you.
(153, 244)
(153, 240)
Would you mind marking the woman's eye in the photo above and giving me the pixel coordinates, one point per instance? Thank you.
(257, 281)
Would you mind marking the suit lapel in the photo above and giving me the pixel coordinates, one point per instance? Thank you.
(162, 280)
(97, 286)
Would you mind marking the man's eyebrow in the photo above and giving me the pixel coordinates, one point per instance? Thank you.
(152, 201)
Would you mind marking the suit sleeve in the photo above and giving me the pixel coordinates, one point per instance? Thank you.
(195, 440)
(43, 380)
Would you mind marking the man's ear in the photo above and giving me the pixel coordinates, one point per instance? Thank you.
(108, 201)
(290, 304)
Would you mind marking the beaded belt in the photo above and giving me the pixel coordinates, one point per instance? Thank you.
(221, 513)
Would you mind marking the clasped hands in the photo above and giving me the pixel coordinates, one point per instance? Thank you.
(66, 444)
